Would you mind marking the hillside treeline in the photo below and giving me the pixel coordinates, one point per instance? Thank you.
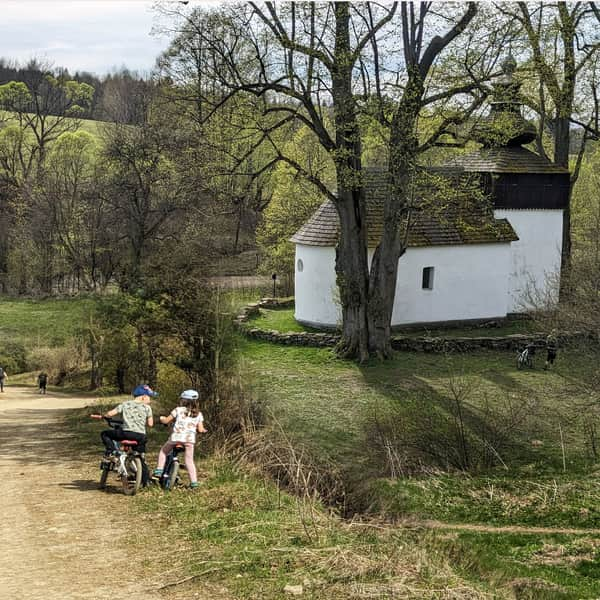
(116, 96)
(84, 208)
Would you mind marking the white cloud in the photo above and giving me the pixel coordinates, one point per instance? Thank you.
(82, 35)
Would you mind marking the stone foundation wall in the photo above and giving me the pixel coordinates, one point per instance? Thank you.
(412, 344)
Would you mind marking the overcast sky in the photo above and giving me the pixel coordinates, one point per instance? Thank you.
(82, 35)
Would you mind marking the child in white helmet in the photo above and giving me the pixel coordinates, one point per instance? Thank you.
(188, 421)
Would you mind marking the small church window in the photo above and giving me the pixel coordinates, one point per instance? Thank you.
(428, 278)
(300, 265)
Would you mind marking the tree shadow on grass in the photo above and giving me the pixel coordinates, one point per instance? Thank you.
(451, 427)
(504, 380)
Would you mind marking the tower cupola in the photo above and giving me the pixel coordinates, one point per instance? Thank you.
(505, 126)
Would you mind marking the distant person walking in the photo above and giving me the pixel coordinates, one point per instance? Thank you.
(42, 382)
(551, 348)
(3, 376)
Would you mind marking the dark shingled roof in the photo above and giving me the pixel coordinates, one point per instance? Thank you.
(460, 221)
(510, 159)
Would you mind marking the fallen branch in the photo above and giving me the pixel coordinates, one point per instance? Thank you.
(186, 579)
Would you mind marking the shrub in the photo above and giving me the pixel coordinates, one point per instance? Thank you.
(13, 357)
(60, 363)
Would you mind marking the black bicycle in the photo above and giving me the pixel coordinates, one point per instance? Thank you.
(170, 476)
(125, 461)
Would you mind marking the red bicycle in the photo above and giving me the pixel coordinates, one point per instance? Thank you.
(126, 462)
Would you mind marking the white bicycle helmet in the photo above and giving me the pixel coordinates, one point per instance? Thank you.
(189, 395)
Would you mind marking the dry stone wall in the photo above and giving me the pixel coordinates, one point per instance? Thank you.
(407, 343)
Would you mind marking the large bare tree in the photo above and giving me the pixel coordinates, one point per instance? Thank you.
(308, 62)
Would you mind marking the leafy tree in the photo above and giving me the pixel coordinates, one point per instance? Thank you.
(145, 190)
(72, 210)
(38, 111)
(45, 108)
(293, 201)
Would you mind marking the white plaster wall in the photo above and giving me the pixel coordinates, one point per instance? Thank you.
(535, 260)
(317, 298)
(469, 282)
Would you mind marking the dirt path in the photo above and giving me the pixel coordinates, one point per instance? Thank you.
(506, 528)
(61, 538)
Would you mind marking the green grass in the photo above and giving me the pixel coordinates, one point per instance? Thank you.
(337, 409)
(35, 323)
(243, 533)
(280, 320)
(243, 537)
(342, 411)
(90, 126)
(283, 320)
(520, 497)
(536, 567)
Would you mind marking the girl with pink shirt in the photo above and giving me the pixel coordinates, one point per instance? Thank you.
(187, 421)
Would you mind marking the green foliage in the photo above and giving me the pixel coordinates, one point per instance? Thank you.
(124, 337)
(80, 95)
(13, 357)
(15, 95)
(293, 201)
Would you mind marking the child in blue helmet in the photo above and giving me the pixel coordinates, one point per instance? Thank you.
(137, 415)
(187, 421)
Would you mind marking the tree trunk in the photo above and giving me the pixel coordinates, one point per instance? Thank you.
(384, 267)
(351, 262)
(351, 269)
(120, 374)
(562, 140)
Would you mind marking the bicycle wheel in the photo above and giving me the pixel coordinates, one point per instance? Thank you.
(132, 478)
(103, 477)
(172, 475)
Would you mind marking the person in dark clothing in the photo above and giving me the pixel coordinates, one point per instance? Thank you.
(42, 382)
(3, 376)
(551, 349)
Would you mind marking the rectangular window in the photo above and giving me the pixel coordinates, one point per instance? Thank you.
(428, 278)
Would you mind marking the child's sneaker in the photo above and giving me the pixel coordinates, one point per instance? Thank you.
(194, 485)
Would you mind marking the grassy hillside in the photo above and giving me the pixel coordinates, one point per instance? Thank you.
(339, 409)
(89, 125)
(35, 323)
(398, 432)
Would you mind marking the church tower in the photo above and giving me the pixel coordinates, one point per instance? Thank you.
(527, 189)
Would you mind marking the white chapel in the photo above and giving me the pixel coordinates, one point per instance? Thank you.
(469, 261)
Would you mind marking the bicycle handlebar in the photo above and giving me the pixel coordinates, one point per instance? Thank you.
(113, 423)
